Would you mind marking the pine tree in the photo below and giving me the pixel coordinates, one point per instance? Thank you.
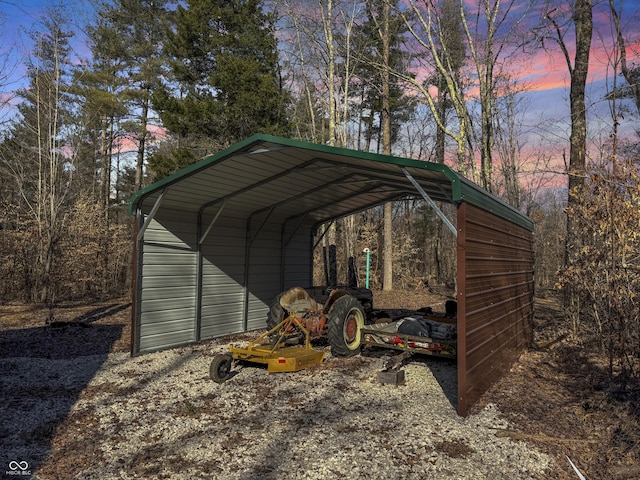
(128, 63)
(98, 87)
(384, 31)
(371, 72)
(225, 79)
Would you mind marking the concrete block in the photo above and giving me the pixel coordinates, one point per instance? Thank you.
(391, 377)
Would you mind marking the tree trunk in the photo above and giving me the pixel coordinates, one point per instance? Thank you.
(327, 12)
(442, 108)
(105, 163)
(583, 18)
(387, 284)
(143, 138)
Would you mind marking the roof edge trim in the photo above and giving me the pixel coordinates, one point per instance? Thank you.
(190, 170)
(462, 189)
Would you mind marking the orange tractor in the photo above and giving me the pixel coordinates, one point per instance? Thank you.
(339, 318)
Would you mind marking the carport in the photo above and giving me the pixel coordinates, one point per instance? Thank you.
(217, 241)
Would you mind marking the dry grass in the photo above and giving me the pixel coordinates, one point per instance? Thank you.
(411, 299)
(559, 397)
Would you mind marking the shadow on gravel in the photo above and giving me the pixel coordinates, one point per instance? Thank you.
(274, 406)
(100, 313)
(43, 370)
(444, 370)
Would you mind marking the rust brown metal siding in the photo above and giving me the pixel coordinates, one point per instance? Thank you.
(495, 299)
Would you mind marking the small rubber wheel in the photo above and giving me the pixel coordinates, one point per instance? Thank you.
(220, 367)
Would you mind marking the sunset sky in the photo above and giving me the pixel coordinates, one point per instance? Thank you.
(543, 73)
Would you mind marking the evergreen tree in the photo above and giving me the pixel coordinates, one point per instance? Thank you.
(383, 31)
(98, 87)
(370, 72)
(127, 66)
(225, 79)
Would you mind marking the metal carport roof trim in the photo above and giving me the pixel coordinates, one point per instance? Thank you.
(462, 190)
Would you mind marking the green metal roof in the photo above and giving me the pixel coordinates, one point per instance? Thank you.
(292, 178)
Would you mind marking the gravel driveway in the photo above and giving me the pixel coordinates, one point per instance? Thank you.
(108, 416)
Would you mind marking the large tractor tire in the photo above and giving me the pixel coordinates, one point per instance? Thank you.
(276, 313)
(346, 320)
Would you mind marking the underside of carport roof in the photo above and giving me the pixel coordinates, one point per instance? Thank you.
(296, 178)
(218, 240)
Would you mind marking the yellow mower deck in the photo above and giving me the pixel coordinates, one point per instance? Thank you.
(284, 359)
(271, 352)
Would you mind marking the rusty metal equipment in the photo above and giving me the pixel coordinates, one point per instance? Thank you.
(293, 320)
(420, 331)
(271, 349)
(340, 318)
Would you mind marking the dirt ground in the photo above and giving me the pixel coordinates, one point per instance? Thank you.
(556, 397)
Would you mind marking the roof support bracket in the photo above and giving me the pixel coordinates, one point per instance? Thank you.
(431, 203)
(213, 221)
(285, 241)
(152, 214)
(326, 229)
(252, 238)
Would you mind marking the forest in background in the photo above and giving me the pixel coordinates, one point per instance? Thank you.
(166, 83)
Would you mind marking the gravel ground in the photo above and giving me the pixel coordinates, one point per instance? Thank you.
(107, 415)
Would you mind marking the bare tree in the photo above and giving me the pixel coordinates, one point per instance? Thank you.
(301, 61)
(426, 28)
(631, 75)
(582, 21)
(453, 52)
(508, 141)
(387, 283)
(494, 26)
(6, 69)
(33, 150)
(321, 66)
(326, 10)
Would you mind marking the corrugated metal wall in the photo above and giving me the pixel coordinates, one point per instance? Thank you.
(167, 282)
(277, 260)
(188, 292)
(223, 274)
(495, 299)
(263, 272)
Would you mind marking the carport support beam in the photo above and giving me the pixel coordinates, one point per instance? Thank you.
(152, 214)
(247, 260)
(213, 221)
(430, 201)
(323, 234)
